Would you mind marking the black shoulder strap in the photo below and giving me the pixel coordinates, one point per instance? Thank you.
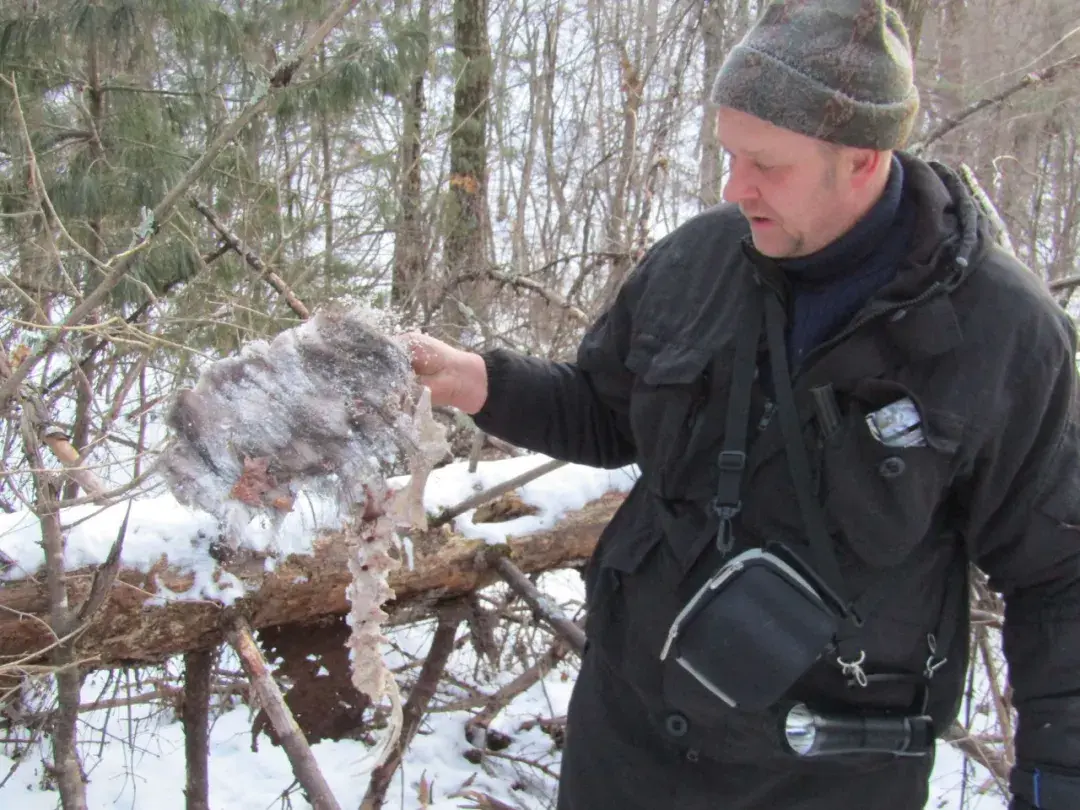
(732, 461)
(821, 543)
(817, 533)
(732, 464)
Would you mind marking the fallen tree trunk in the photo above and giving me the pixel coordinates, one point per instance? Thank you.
(299, 589)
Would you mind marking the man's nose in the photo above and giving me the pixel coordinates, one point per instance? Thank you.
(739, 186)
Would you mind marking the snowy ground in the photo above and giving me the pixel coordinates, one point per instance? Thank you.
(136, 758)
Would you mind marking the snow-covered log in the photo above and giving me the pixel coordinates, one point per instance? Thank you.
(137, 624)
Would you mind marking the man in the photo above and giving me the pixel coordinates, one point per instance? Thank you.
(933, 411)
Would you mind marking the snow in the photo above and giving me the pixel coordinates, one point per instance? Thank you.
(135, 759)
(160, 526)
(145, 770)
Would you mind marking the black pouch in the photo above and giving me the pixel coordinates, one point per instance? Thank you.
(754, 628)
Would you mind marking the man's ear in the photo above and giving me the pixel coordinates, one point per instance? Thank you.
(864, 165)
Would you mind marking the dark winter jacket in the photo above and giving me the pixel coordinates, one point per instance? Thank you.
(970, 336)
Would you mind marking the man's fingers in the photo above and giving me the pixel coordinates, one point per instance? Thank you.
(426, 353)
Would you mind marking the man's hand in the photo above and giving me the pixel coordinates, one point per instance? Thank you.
(455, 377)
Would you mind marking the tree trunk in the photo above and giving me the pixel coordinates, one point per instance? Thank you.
(712, 33)
(84, 376)
(198, 672)
(466, 216)
(912, 12)
(409, 247)
(129, 627)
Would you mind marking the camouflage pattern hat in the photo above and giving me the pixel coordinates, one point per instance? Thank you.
(837, 70)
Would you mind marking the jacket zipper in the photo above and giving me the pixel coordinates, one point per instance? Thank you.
(862, 320)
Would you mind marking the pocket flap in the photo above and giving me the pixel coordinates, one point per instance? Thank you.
(660, 363)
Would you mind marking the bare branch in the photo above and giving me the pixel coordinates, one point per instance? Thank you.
(252, 258)
(524, 283)
(1043, 76)
(494, 492)
(292, 738)
(544, 607)
(198, 671)
(997, 224)
(442, 645)
(105, 576)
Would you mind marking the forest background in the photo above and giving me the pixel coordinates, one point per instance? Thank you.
(181, 177)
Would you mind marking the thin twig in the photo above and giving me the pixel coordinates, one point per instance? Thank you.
(494, 492)
(497, 701)
(526, 283)
(252, 258)
(1001, 704)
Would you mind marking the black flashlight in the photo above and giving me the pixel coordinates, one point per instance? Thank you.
(809, 734)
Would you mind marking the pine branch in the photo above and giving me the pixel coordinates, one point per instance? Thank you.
(1044, 76)
(119, 266)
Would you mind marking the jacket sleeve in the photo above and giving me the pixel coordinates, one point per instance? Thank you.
(579, 411)
(1024, 532)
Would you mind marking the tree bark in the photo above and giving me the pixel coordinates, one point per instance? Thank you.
(466, 216)
(198, 671)
(409, 243)
(301, 588)
(292, 738)
(912, 12)
(712, 33)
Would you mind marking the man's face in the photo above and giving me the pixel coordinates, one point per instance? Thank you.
(795, 191)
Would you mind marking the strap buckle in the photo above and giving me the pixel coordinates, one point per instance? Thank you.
(933, 663)
(725, 536)
(733, 461)
(726, 511)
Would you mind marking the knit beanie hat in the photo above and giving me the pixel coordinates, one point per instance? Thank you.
(836, 70)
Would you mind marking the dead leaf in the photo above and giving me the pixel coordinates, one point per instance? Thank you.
(507, 507)
(423, 791)
(283, 503)
(466, 182)
(18, 354)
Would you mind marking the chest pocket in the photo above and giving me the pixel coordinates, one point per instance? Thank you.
(670, 393)
(884, 490)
